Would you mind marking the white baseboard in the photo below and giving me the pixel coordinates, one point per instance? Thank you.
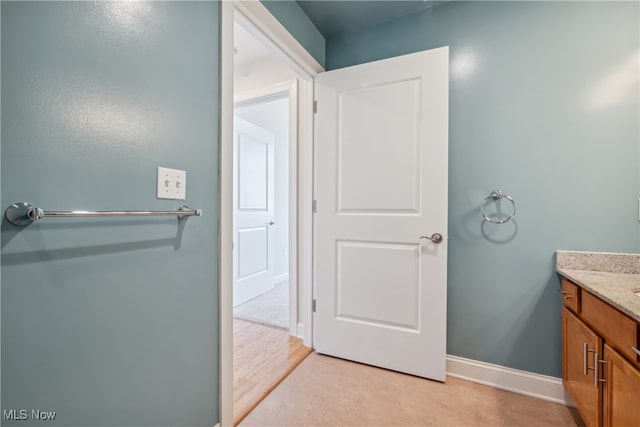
(521, 382)
(300, 330)
(281, 278)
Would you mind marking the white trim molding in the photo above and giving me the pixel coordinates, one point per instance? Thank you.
(225, 249)
(281, 278)
(225, 207)
(300, 330)
(266, 93)
(509, 379)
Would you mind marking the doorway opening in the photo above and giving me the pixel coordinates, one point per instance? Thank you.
(267, 327)
(261, 211)
(235, 89)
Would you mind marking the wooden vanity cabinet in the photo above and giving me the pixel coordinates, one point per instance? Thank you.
(579, 346)
(621, 391)
(600, 370)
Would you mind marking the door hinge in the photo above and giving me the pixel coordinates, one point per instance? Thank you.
(315, 106)
(313, 306)
(314, 206)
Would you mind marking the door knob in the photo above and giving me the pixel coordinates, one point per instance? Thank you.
(269, 223)
(435, 237)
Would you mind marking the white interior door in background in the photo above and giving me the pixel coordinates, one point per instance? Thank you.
(253, 201)
(382, 171)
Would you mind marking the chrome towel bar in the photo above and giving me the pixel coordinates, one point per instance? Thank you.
(23, 213)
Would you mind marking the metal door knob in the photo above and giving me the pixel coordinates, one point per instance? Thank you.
(269, 223)
(435, 237)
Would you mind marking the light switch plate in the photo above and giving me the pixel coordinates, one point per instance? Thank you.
(172, 184)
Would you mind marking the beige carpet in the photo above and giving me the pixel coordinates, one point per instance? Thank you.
(270, 308)
(324, 391)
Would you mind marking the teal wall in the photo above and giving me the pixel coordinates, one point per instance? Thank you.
(535, 112)
(293, 18)
(110, 322)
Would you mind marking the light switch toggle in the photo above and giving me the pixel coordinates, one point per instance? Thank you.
(172, 184)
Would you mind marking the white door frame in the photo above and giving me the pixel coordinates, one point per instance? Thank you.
(290, 88)
(269, 30)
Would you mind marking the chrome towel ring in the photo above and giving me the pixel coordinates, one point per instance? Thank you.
(496, 195)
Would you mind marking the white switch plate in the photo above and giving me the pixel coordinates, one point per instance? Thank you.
(172, 184)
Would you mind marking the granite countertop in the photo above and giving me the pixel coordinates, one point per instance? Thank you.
(613, 277)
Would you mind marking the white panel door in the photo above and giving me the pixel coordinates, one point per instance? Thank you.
(253, 200)
(381, 184)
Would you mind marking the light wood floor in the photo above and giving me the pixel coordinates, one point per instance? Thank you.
(262, 357)
(325, 391)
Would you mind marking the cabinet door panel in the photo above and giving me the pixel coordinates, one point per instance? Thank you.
(587, 396)
(621, 391)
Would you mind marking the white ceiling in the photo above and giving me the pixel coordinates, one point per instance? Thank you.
(247, 48)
